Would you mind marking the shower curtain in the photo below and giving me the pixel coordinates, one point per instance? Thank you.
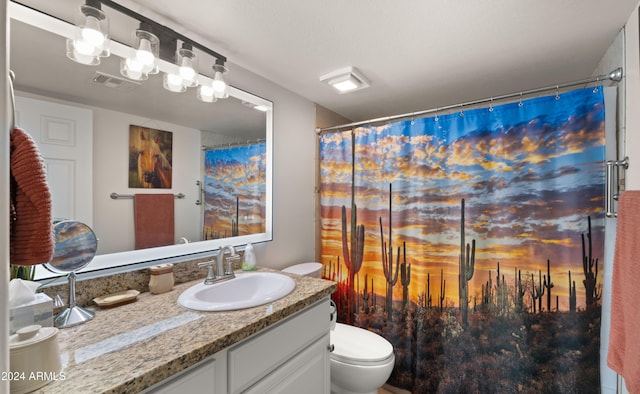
(234, 190)
(473, 242)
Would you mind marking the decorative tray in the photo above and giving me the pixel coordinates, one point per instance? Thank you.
(115, 299)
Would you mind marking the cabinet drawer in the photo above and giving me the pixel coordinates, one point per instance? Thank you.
(257, 356)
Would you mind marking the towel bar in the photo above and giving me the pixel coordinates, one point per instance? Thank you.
(116, 196)
(610, 184)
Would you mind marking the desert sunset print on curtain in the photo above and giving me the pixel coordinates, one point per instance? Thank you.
(482, 214)
(528, 191)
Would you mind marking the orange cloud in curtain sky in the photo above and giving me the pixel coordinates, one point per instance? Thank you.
(530, 176)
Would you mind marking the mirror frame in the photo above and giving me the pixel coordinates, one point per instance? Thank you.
(138, 259)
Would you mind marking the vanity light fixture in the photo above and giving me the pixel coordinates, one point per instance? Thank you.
(187, 62)
(219, 84)
(346, 80)
(153, 50)
(144, 60)
(91, 37)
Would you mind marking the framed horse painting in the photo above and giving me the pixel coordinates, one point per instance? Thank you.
(150, 153)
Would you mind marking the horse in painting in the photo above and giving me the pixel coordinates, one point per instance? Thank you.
(154, 169)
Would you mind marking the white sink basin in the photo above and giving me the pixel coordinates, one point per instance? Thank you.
(246, 290)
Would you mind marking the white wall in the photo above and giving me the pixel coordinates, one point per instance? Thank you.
(293, 172)
(632, 100)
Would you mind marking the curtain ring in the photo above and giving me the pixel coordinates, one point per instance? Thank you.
(461, 110)
(595, 88)
(520, 103)
(436, 118)
(491, 105)
(557, 93)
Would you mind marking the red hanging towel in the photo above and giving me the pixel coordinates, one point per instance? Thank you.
(154, 220)
(31, 231)
(624, 346)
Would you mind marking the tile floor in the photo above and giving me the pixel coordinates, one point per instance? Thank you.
(387, 389)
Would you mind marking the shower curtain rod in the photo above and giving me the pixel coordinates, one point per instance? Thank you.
(229, 145)
(615, 75)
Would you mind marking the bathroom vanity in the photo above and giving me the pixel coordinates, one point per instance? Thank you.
(155, 346)
(291, 357)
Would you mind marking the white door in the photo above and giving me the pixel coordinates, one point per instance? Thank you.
(64, 135)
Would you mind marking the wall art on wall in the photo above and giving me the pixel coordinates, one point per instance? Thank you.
(478, 244)
(234, 190)
(150, 158)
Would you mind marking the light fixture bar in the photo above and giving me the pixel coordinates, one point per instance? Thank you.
(156, 27)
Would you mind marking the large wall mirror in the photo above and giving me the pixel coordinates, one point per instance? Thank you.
(91, 112)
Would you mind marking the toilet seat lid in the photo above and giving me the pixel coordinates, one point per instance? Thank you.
(304, 268)
(359, 345)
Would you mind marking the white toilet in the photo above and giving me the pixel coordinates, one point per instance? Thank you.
(361, 361)
(313, 270)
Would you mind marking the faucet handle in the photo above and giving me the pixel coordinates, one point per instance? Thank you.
(230, 260)
(210, 275)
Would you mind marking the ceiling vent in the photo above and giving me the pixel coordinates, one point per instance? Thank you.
(113, 82)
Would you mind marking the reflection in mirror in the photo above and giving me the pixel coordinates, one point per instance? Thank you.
(234, 190)
(80, 117)
(75, 247)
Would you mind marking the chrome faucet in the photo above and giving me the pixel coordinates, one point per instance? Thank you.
(220, 269)
(222, 273)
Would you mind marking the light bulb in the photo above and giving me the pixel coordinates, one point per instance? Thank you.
(91, 32)
(206, 93)
(186, 69)
(173, 83)
(144, 54)
(219, 85)
(134, 65)
(133, 69)
(76, 56)
(174, 79)
(222, 95)
(84, 48)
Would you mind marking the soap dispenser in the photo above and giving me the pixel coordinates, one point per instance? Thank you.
(249, 258)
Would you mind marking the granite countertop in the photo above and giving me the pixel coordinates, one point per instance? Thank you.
(128, 348)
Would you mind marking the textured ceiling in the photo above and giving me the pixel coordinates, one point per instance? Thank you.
(418, 54)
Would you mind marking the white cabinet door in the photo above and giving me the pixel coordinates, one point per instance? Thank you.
(261, 354)
(307, 372)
